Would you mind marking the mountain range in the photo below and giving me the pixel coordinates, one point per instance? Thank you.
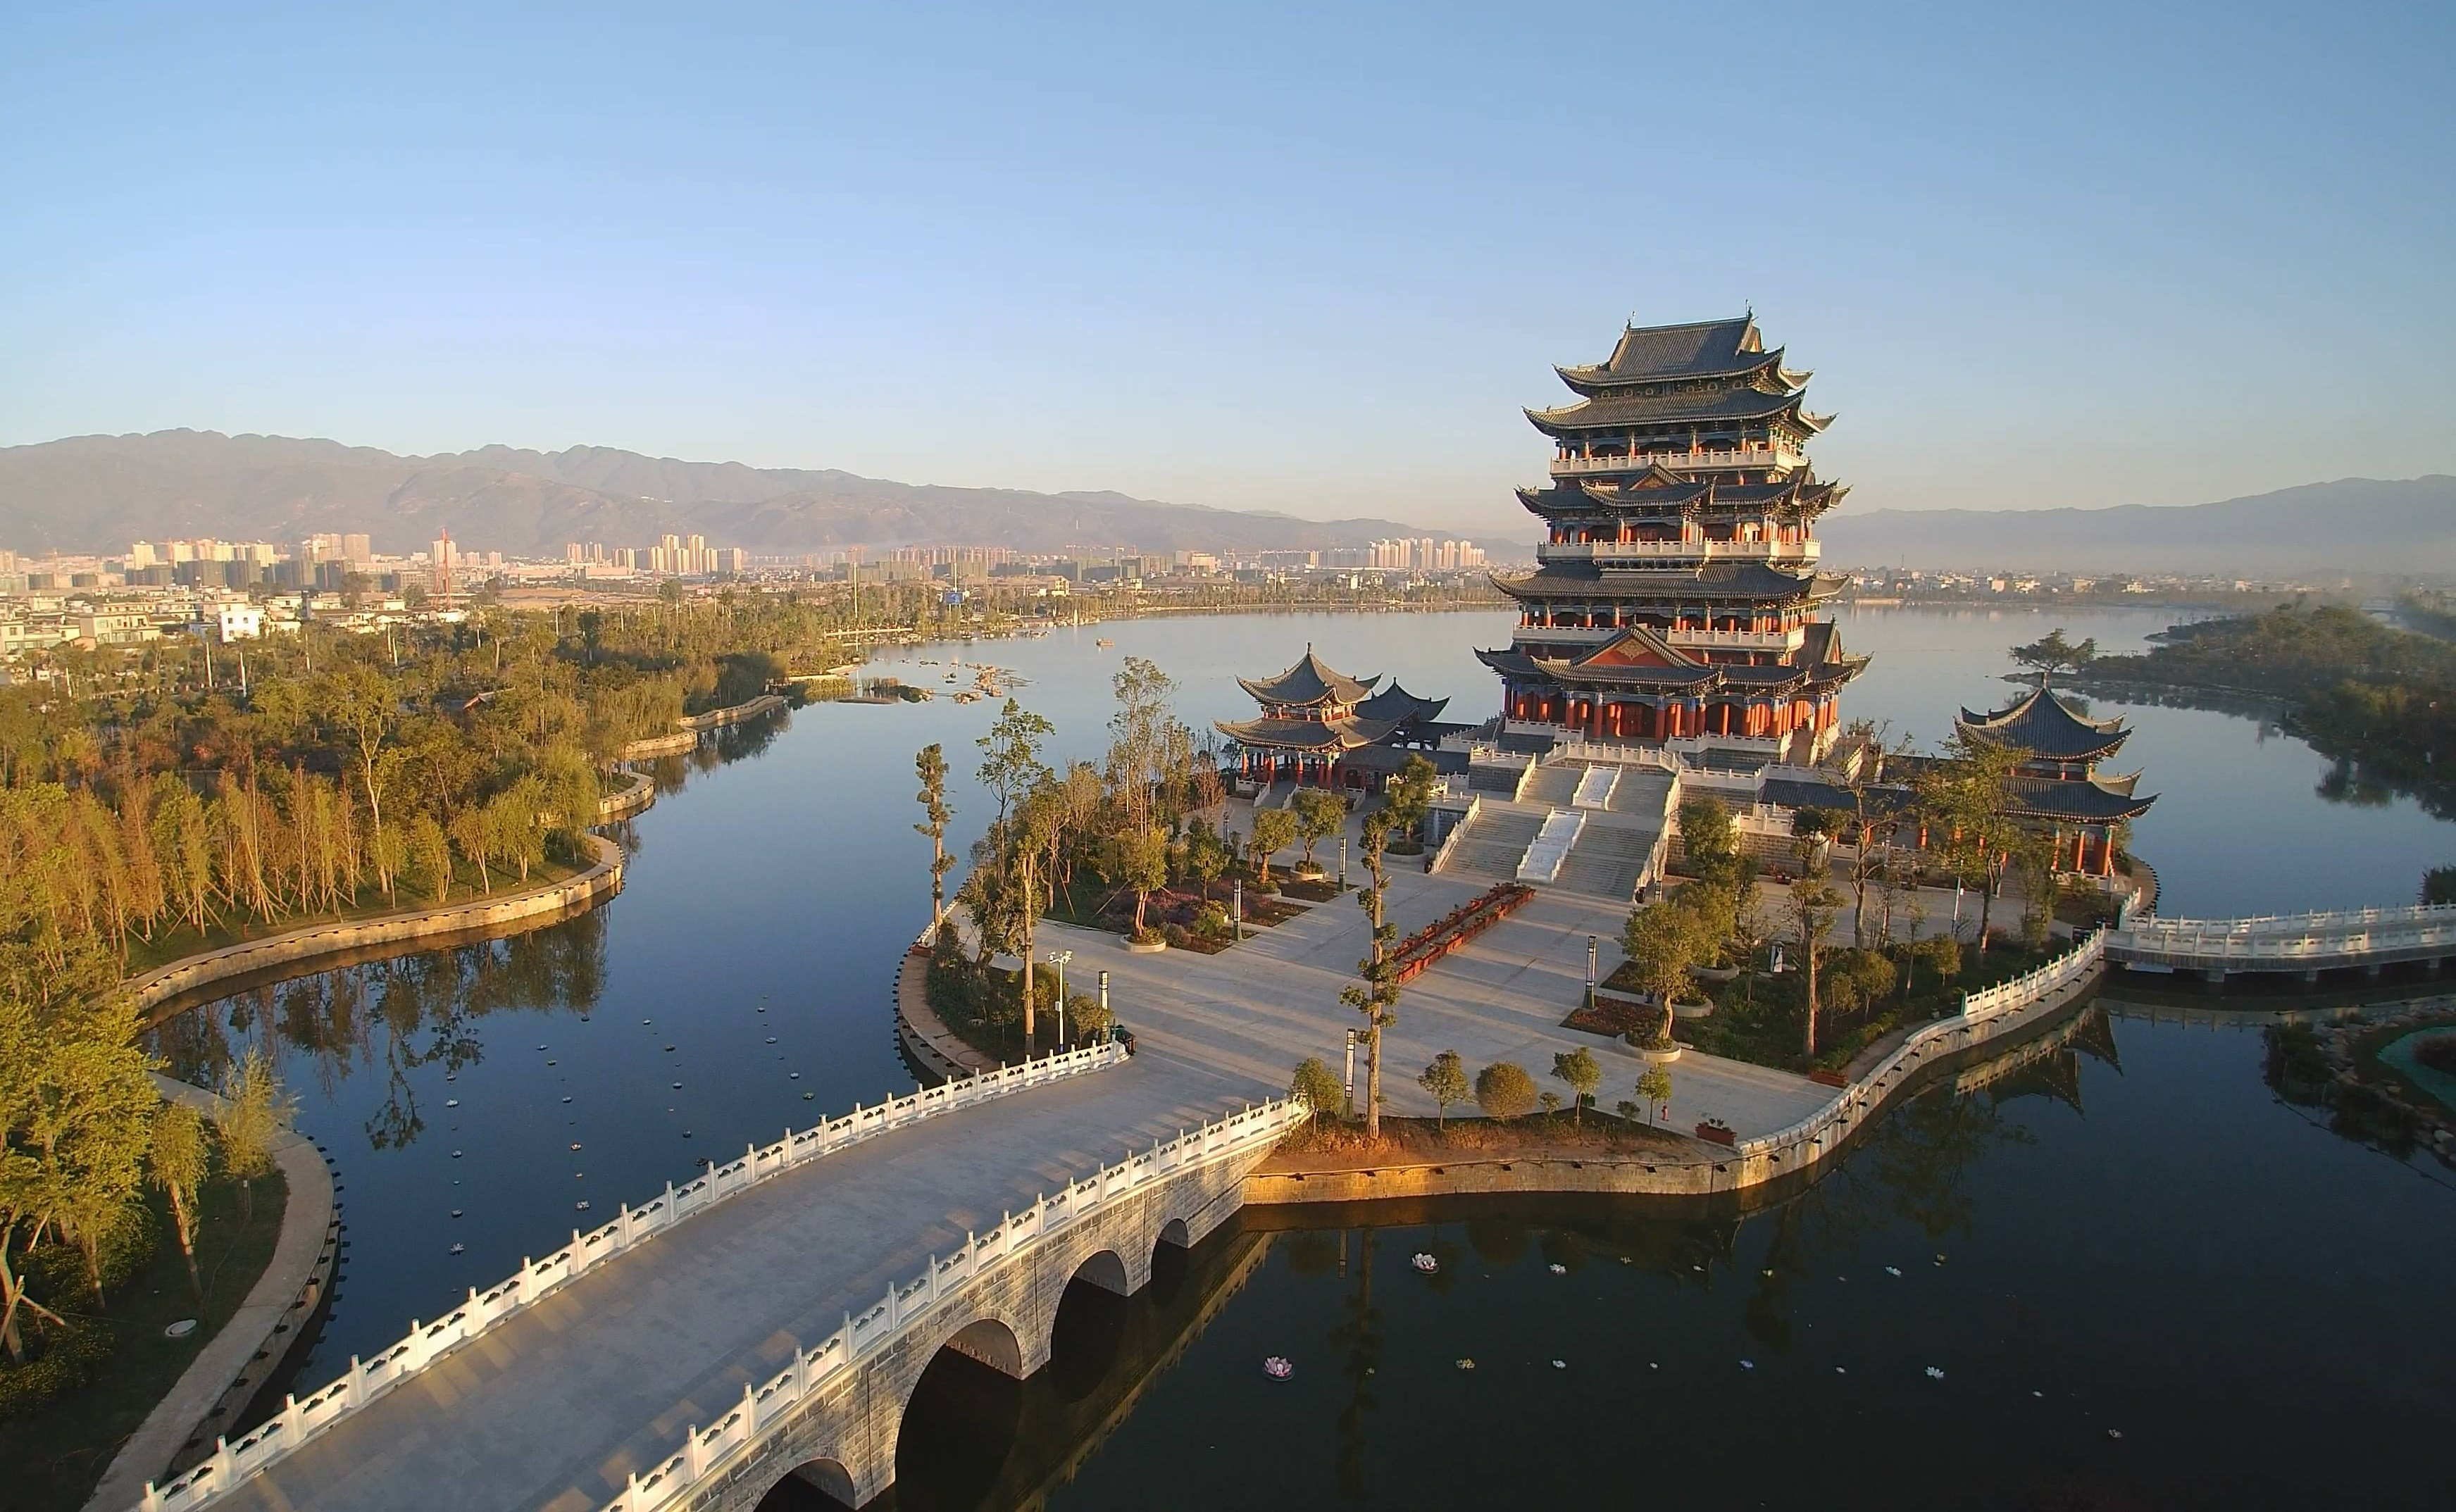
(2355, 525)
(98, 493)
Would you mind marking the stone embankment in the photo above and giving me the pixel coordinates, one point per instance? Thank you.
(927, 1040)
(267, 1327)
(637, 792)
(1704, 1168)
(544, 903)
(688, 729)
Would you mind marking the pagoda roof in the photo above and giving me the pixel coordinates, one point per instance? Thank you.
(1342, 734)
(1396, 703)
(1311, 681)
(1663, 490)
(2042, 725)
(2076, 802)
(1694, 350)
(1622, 411)
(1727, 580)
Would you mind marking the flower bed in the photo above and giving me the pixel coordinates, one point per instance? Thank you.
(1452, 932)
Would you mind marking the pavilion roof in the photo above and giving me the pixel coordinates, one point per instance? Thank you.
(1695, 349)
(1663, 491)
(2043, 724)
(1396, 703)
(1342, 734)
(2076, 802)
(1752, 580)
(1311, 681)
(1618, 411)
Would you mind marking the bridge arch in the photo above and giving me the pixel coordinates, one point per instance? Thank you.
(816, 1485)
(961, 1413)
(1105, 1269)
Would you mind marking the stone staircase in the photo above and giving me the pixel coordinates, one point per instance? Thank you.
(1552, 787)
(1607, 861)
(1493, 844)
(1643, 790)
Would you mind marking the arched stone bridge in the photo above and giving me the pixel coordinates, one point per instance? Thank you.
(773, 1319)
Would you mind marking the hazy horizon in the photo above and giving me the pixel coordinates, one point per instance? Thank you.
(1278, 262)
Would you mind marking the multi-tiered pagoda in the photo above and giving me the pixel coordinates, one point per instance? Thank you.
(1675, 593)
(1322, 728)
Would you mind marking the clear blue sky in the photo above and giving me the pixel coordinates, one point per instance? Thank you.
(1310, 258)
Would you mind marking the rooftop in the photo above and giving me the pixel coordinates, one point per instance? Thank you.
(1311, 681)
(2043, 724)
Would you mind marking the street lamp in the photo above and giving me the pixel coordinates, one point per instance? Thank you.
(1236, 909)
(1342, 863)
(1104, 1005)
(1591, 970)
(1059, 959)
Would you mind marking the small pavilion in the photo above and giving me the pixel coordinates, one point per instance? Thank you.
(1321, 728)
(2057, 785)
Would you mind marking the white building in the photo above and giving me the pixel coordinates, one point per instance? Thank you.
(240, 622)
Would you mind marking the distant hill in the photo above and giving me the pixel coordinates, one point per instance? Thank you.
(2354, 524)
(98, 493)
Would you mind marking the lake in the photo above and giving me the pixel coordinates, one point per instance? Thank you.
(2184, 1265)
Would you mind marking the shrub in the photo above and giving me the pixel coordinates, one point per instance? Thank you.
(1212, 920)
(69, 1359)
(1178, 935)
(1504, 1089)
(1317, 1087)
(1148, 936)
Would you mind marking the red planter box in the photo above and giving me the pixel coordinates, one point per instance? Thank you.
(1713, 1135)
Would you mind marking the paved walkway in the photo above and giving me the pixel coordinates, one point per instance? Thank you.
(1256, 1010)
(306, 1219)
(553, 1407)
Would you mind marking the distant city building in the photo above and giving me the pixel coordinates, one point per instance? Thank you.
(239, 621)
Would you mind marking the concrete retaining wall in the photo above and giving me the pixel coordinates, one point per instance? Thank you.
(637, 794)
(602, 879)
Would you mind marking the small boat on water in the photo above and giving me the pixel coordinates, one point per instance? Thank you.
(1104, 645)
(967, 697)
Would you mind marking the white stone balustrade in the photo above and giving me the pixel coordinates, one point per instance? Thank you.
(2287, 940)
(710, 1450)
(1984, 1016)
(302, 1418)
(1678, 550)
(1775, 456)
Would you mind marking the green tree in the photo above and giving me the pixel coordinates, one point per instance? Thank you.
(1316, 1087)
(1275, 829)
(1709, 843)
(1655, 1088)
(1663, 939)
(1445, 1080)
(1579, 1069)
(1319, 814)
(1814, 908)
(1011, 764)
(1504, 1091)
(179, 1161)
(930, 767)
(1143, 864)
(255, 1112)
(360, 704)
(1967, 799)
(2053, 654)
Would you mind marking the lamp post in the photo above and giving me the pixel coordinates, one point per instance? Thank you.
(1342, 863)
(1591, 970)
(1104, 1004)
(1059, 959)
(1236, 909)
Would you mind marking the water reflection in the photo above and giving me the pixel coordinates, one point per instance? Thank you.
(393, 1018)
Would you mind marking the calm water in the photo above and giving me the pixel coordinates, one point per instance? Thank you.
(2175, 1265)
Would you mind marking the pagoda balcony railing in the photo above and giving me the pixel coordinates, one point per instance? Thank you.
(1677, 551)
(1781, 458)
(1740, 640)
(1703, 640)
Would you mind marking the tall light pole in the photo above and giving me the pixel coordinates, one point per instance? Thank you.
(1236, 909)
(1591, 970)
(1342, 863)
(1059, 959)
(1104, 1003)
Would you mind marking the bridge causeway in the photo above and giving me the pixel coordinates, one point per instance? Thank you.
(587, 1397)
(2306, 943)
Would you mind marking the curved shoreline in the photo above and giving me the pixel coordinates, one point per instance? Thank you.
(310, 942)
(1721, 1172)
(215, 1388)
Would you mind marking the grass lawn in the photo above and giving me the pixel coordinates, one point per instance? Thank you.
(57, 1453)
(146, 955)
